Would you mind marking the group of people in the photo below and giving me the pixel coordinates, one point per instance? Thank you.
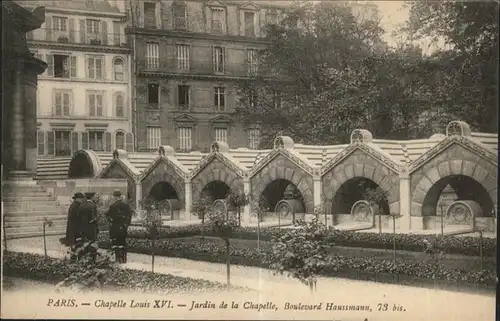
(82, 225)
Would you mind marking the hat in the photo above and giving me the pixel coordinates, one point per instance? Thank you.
(117, 193)
(78, 195)
(89, 195)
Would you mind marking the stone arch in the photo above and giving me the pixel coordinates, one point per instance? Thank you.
(163, 172)
(352, 192)
(216, 170)
(362, 166)
(281, 168)
(278, 190)
(84, 164)
(463, 176)
(118, 170)
(216, 190)
(163, 190)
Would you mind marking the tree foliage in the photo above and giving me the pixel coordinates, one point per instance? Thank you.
(301, 252)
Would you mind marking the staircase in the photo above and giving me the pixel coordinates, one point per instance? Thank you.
(24, 210)
(52, 168)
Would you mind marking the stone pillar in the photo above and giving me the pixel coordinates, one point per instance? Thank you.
(404, 201)
(16, 121)
(138, 195)
(247, 209)
(317, 189)
(30, 122)
(188, 199)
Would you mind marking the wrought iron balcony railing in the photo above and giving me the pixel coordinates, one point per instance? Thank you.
(77, 37)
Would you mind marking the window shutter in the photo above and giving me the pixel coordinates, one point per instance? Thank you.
(73, 66)
(50, 65)
(66, 103)
(74, 142)
(214, 57)
(85, 140)
(71, 28)
(51, 143)
(108, 147)
(82, 31)
(41, 143)
(104, 31)
(48, 28)
(129, 139)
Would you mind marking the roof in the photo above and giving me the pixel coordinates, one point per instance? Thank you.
(101, 6)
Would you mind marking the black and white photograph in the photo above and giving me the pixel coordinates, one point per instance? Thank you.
(249, 160)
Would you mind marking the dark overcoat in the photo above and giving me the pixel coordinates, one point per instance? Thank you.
(72, 224)
(120, 216)
(87, 216)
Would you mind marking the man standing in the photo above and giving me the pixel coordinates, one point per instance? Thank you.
(88, 218)
(72, 224)
(120, 215)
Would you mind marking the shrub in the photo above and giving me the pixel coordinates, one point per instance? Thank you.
(33, 266)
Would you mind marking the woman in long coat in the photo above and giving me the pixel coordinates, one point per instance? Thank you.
(72, 224)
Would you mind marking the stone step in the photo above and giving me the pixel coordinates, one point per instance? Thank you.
(32, 217)
(15, 234)
(46, 204)
(22, 198)
(25, 193)
(29, 224)
(26, 212)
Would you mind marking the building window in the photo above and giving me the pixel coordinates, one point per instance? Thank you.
(94, 67)
(120, 140)
(62, 102)
(182, 57)
(219, 98)
(62, 142)
(180, 15)
(118, 69)
(60, 23)
(119, 105)
(154, 137)
(149, 15)
(95, 104)
(183, 96)
(221, 135)
(184, 136)
(218, 20)
(64, 66)
(253, 138)
(218, 55)
(252, 59)
(152, 55)
(153, 94)
(96, 140)
(117, 33)
(40, 143)
(93, 32)
(252, 99)
(249, 18)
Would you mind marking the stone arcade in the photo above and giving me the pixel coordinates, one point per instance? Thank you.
(417, 177)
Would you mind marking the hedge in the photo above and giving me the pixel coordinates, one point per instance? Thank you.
(211, 250)
(463, 245)
(51, 270)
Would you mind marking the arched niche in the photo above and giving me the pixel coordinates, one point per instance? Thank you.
(84, 164)
(359, 189)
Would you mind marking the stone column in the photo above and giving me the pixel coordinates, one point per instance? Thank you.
(30, 135)
(188, 199)
(138, 195)
(248, 191)
(317, 189)
(404, 201)
(16, 120)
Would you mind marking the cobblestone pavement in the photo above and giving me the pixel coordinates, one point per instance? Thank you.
(419, 303)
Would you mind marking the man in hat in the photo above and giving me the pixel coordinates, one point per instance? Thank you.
(120, 216)
(87, 213)
(72, 222)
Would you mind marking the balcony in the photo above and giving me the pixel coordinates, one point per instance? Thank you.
(196, 68)
(77, 37)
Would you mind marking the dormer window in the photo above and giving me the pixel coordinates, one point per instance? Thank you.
(179, 12)
(149, 14)
(218, 20)
(249, 20)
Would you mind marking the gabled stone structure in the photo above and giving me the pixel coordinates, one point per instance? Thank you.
(413, 174)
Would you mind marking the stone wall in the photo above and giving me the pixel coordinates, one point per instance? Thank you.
(216, 171)
(164, 172)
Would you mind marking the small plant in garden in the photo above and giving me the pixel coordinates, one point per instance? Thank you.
(375, 196)
(302, 252)
(201, 208)
(89, 269)
(222, 224)
(260, 209)
(435, 256)
(46, 223)
(239, 200)
(152, 211)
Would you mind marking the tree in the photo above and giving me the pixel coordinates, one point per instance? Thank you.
(260, 209)
(465, 85)
(200, 209)
(324, 63)
(238, 200)
(375, 197)
(152, 211)
(222, 225)
(301, 252)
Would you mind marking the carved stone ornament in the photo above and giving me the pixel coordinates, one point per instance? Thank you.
(215, 147)
(279, 143)
(458, 128)
(362, 212)
(459, 214)
(220, 207)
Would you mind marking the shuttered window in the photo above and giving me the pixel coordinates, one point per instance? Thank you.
(96, 140)
(184, 137)
(218, 59)
(120, 140)
(221, 135)
(182, 57)
(41, 143)
(95, 103)
(62, 103)
(154, 137)
(252, 56)
(152, 55)
(119, 105)
(219, 99)
(95, 68)
(253, 138)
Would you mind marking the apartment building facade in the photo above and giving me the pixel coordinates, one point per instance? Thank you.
(189, 57)
(83, 97)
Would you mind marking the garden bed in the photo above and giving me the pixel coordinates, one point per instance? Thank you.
(463, 245)
(36, 267)
(338, 266)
